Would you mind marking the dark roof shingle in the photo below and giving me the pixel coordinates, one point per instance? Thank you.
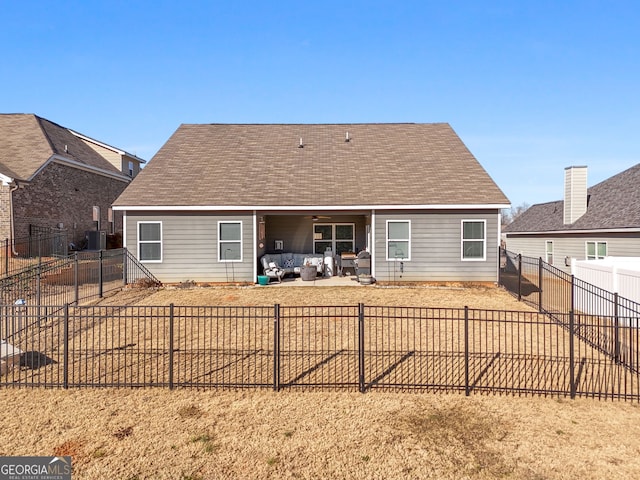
(253, 165)
(28, 141)
(612, 204)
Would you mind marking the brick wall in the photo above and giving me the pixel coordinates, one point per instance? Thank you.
(62, 194)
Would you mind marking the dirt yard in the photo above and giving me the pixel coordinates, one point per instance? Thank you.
(186, 434)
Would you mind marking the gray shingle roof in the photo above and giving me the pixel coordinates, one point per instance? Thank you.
(253, 165)
(612, 204)
(28, 141)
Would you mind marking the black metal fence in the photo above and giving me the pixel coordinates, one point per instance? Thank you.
(42, 245)
(356, 348)
(80, 277)
(609, 319)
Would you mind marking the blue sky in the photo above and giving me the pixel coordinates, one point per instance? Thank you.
(530, 86)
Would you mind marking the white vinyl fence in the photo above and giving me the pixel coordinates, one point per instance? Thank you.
(619, 275)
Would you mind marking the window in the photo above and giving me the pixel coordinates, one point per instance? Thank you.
(130, 168)
(150, 241)
(549, 251)
(338, 237)
(474, 240)
(230, 241)
(398, 240)
(596, 250)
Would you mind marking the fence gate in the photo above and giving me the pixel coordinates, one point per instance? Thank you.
(46, 242)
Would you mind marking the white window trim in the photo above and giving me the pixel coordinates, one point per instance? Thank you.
(408, 240)
(145, 222)
(484, 240)
(596, 242)
(546, 251)
(221, 242)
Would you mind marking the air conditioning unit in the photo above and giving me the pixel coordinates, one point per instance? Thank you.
(96, 239)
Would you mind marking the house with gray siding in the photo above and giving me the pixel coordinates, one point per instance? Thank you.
(588, 224)
(52, 177)
(217, 197)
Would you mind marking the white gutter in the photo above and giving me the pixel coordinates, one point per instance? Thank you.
(303, 208)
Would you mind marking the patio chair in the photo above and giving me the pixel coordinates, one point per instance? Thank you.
(272, 270)
(363, 264)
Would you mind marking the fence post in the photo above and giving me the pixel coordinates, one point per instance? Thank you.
(467, 391)
(540, 285)
(572, 365)
(124, 267)
(573, 294)
(38, 285)
(171, 318)
(616, 329)
(65, 363)
(6, 256)
(75, 278)
(519, 277)
(100, 279)
(361, 384)
(276, 347)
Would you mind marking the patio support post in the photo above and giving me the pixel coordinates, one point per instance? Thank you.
(361, 383)
(276, 347)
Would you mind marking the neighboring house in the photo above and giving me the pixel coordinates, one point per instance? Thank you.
(55, 178)
(215, 198)
(588, 224)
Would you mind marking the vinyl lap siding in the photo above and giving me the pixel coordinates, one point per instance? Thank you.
(573, 246)
(436, 248)
(190, 247)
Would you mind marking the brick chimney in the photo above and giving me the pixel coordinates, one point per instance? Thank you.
(575, 193)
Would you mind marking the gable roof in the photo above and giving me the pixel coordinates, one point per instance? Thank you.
(218, 165)
(612, 204)
(27, 142)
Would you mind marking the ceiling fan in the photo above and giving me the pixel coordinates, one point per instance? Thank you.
(315, 218)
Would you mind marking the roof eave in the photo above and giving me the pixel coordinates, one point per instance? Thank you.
(81, 166)
(306, 207)
(107, 146)
(580, 231)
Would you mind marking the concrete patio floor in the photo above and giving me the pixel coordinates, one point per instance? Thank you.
(335, 281)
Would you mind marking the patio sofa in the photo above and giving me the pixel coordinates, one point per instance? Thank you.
(290, 263)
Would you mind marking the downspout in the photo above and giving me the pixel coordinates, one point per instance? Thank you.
(13, 187)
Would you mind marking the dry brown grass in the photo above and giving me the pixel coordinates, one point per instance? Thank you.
(145, 434)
